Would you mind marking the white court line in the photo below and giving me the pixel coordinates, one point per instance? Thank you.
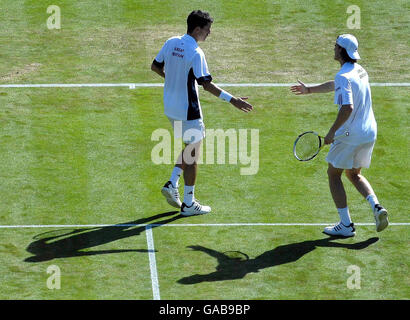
(149, 85)
(152, 263)
(129, 225)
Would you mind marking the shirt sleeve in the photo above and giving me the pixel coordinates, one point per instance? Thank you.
(159, 60)
(200, 68)
(343, 91)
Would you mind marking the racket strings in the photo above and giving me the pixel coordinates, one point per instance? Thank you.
(307, 146)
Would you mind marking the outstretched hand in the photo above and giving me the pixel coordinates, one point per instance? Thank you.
(299, 89)
(241, 104)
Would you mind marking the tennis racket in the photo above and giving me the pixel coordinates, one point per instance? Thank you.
(308, 145)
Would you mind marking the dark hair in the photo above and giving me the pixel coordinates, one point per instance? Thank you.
(345, 56)
(198, 18)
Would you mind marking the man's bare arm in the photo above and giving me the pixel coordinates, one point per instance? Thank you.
(158, 70)
(302, 88)
(237, 102)
(344, 114)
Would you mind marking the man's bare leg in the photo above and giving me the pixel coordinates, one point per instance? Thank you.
(366, 190)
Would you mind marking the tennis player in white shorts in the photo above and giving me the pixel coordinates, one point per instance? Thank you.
(183, 65)
(352, 135)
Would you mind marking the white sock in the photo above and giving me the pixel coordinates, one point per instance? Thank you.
(189, 195)
(344, 216)
(372, 199)
(175, 175)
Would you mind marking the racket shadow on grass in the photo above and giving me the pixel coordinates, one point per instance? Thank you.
(238, 265)
(65, 243)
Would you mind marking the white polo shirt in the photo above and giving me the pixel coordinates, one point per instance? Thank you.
(352, 87)
(185, 67)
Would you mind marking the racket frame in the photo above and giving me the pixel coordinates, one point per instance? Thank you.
(321, 144)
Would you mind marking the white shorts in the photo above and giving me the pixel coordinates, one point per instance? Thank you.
(191, 131)
(346, 156)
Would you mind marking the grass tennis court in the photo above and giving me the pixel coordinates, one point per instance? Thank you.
(81, 157)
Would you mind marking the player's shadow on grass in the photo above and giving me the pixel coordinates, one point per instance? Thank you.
(237, 266)
(65, 244)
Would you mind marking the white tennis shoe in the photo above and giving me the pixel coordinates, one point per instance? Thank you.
(171, 194)
(340, 230)
(380, 215)
(195, 209)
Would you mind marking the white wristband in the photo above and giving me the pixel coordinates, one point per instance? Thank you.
(225, 96)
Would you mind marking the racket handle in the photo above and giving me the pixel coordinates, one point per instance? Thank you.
(335, 138)
(346, 134)
(338, 136)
